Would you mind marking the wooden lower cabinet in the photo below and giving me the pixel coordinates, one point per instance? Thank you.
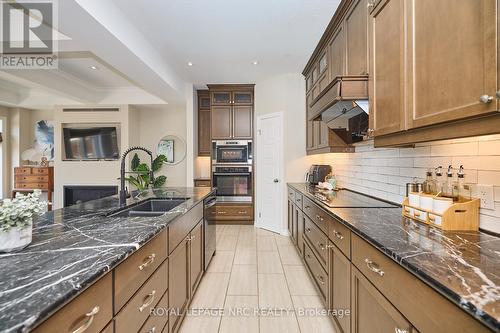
(178, 284)
(157, 323)
(234, 213)
(196, 256)
(339, 288)
(371, 312)
(300, 232)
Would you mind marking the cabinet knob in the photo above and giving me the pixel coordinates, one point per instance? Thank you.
(485, 99)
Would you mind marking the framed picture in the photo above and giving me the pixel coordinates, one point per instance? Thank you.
(44, 139)
(166, 147)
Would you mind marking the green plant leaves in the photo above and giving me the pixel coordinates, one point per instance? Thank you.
(141, 181)
(135, 162)
(158, 162)
(159, 181)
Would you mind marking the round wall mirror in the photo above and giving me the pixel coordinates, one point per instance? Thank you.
(173, 147)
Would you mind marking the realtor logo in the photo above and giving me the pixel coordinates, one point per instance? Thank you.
(27, 34)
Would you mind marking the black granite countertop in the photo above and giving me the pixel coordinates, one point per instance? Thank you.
(72, 248)
(462, 266)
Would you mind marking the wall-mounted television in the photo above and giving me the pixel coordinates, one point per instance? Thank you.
(84, 142)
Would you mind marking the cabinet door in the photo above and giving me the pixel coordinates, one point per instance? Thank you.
(242, 122)
(316, 134)
(452, 61)
(371, 312)
(242, 98)
(356, 30)
(221, 122)
(196, 255)
(290, 218)
(300, 231)
(387, 103)
(310, 135)
(203, 100)
(204, 137)
(324, 135)
(178, 284)
(336, 54)
(221, 97)
(340, 286)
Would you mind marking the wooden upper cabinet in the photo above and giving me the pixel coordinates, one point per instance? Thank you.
(242, 97)
(452, 60)
(204, 100)
(204, 141)
(324, 75)
(356, 30)
(242, 122)
(310, 134)
(387, 94)
(336, 54)
(371, 312)
(221, 97)
(221, 122)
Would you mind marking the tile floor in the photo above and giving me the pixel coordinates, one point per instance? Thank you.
(254, 269)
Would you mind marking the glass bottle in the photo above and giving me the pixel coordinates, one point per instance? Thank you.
(430, 184)
(449, 187)
(439, 180)
(464, 190)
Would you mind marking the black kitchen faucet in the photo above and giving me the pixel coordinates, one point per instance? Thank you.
(123, 190)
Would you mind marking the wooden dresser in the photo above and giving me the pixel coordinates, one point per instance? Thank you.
(30, 178)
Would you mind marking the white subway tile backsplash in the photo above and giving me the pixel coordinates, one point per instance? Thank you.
(383, 172)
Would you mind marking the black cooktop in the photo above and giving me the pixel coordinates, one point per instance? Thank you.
(348, 199)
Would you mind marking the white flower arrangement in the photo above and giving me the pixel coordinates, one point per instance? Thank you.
(20, 211)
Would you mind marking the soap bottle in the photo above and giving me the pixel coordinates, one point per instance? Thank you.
(430, 184)
(449, 187)
(464, 190)
(439, 180)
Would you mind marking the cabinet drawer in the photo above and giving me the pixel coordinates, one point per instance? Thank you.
(202, 183)
(156, 322)
(22, 171)
(319, 275)
(32, 179)
(180, 228)
(298, 200)
(291, 194)
(340, 235)
(241, 212)
(137, 310)
(93, 308)
(316, 214)
(41, 186)
(131, 274)
(426, 309)
(40, 171)
(317, 239)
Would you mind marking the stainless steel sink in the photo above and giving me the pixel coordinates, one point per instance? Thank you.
(151, 208)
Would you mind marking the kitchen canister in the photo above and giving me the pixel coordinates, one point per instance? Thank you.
(414, 201)
(439, 206)
(426, 201)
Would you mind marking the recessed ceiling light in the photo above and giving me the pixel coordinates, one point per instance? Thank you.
(255, 62)
(93, 67)
(190, 64)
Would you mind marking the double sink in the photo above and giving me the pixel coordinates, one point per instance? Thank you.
(149, 208)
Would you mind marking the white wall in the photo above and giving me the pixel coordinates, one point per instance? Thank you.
(383, 172)
(5, 153)
(157, 122)
(285, 93)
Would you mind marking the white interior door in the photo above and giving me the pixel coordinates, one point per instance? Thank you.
(269, 158)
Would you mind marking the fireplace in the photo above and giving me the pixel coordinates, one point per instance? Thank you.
(82, 193)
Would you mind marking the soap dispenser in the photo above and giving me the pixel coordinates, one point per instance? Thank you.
(430, 184)
(463, 189)
(449, 187)
(439, 180)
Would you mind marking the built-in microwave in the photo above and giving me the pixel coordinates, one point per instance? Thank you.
(239, 152)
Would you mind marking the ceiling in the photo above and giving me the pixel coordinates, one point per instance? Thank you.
(222, 38)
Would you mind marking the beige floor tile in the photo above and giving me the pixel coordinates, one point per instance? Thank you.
(211, 291)
(243, 280)
(200, 323)
(269, 262)
(299, 281)
(311, 319)
(266, 243)
(242, 318)
(247, 239)
(245, 256)
(264, 232)
(229, 229)
(222, 262)
(282, 323)
(248, 229)
(282, 240)
(273, 291)
(289, 255)
(226, 242)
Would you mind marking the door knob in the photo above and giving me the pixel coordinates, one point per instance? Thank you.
(485, 99)
(276, 180)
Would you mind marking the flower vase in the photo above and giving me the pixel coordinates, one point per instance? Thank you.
(15, 239)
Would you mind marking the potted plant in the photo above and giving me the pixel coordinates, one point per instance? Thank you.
(16, 220)
(141, 181)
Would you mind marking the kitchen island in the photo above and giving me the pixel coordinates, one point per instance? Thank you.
(462, 269)
(73, 248)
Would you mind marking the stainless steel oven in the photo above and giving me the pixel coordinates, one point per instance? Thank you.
(225, 151)
(233, 182)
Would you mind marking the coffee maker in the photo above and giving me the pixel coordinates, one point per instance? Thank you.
(317, 173)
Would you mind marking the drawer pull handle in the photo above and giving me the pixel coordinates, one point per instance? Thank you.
(308, 256)
(221, 212)
(321, 279)
(330, 246)
(242, 212)
(307, 207)
(338, 234)
(321, 246)
(152, 330)
(400, 330)
(372, 266)
(149, 300)
(190, 238)
(319, 218)
(298, 200)
(148, 261)
(308, 229)
(90, 315)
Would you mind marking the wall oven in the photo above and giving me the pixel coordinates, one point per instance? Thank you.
(233, 182)
(233, 152)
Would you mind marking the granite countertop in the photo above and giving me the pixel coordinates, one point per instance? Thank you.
(72, 248)
(462, 266)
